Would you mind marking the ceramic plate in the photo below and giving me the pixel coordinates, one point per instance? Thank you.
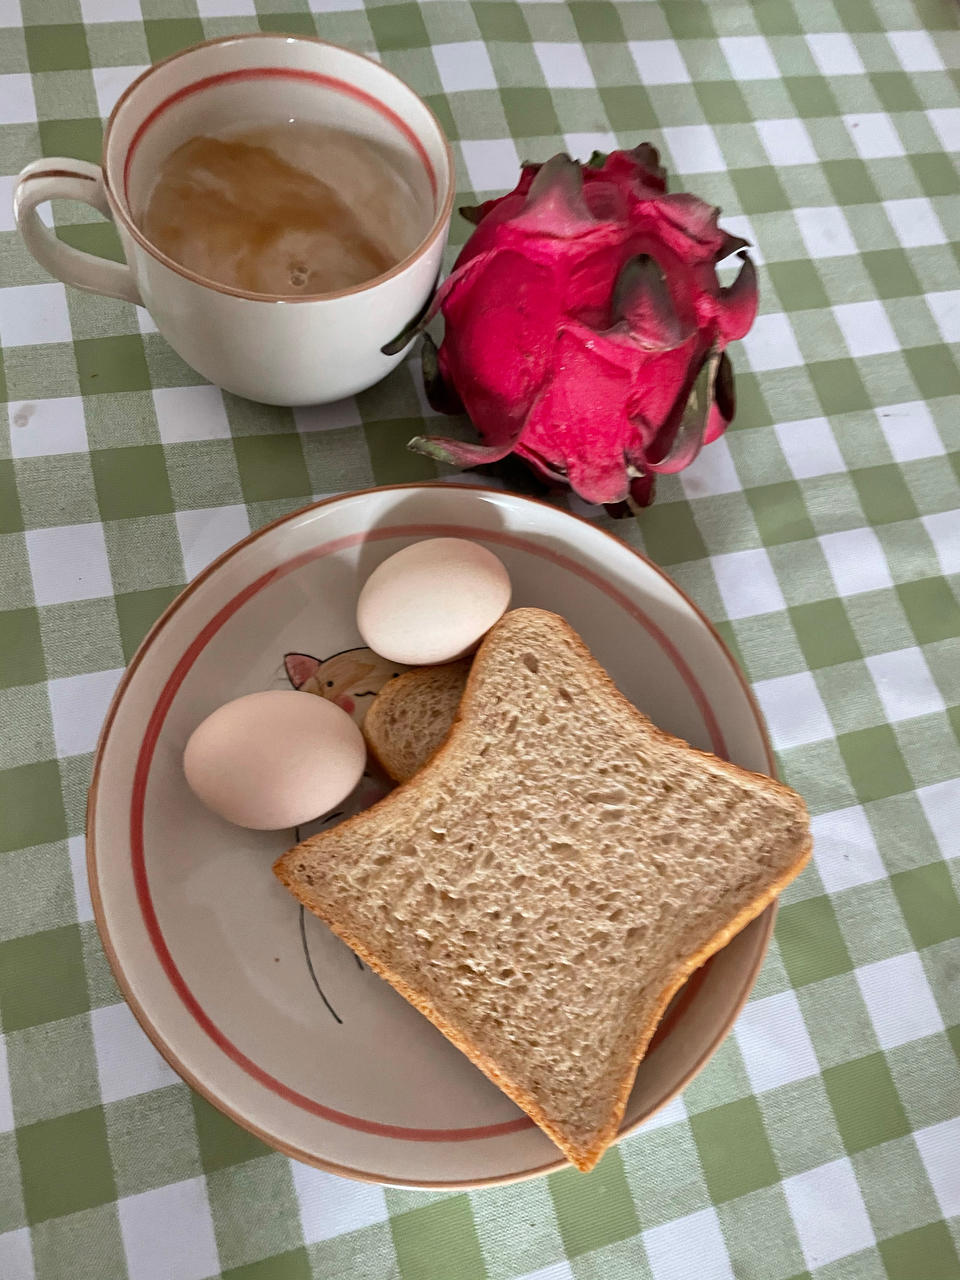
(258, 1005)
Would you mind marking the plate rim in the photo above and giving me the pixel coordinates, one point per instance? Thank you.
(765, 919)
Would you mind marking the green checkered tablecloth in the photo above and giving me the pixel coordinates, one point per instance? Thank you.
(822, 534)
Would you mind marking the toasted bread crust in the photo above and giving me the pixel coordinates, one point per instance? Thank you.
(583, 1156)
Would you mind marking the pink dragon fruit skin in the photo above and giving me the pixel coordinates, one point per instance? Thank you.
(586, 327)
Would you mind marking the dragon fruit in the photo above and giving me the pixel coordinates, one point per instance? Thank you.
(586, 327)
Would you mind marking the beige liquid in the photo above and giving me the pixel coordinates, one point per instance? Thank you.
(289, 209)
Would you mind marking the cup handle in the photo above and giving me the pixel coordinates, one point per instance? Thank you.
(59, 178)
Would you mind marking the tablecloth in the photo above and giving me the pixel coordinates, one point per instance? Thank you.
(822, 535)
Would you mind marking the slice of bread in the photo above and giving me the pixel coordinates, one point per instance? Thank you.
(543, 886)
(411, 716)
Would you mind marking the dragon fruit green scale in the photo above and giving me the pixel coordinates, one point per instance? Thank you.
(585, 327)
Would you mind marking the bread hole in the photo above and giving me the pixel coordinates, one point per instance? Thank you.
(531, 662)
(616, 916)
(543, 718)
(612, 815)
(613, 795)
(408, 850)
(562, 848)
(483, 750)
(381, 859)
(634, 933)
(438, 836)
(565, 694)
(518, 881)
(512, 723)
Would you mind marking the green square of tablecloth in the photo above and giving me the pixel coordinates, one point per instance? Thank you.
(66, 1164)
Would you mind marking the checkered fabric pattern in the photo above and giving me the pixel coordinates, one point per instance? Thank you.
(822, 534)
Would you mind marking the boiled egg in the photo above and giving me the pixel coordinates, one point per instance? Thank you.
(274, 759)
(432, 601)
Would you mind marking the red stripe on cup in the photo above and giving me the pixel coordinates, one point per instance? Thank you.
(278, 73)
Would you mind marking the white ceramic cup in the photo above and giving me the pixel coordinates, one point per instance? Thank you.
(288, 351)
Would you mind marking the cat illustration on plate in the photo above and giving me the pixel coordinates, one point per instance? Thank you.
(351, 679)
